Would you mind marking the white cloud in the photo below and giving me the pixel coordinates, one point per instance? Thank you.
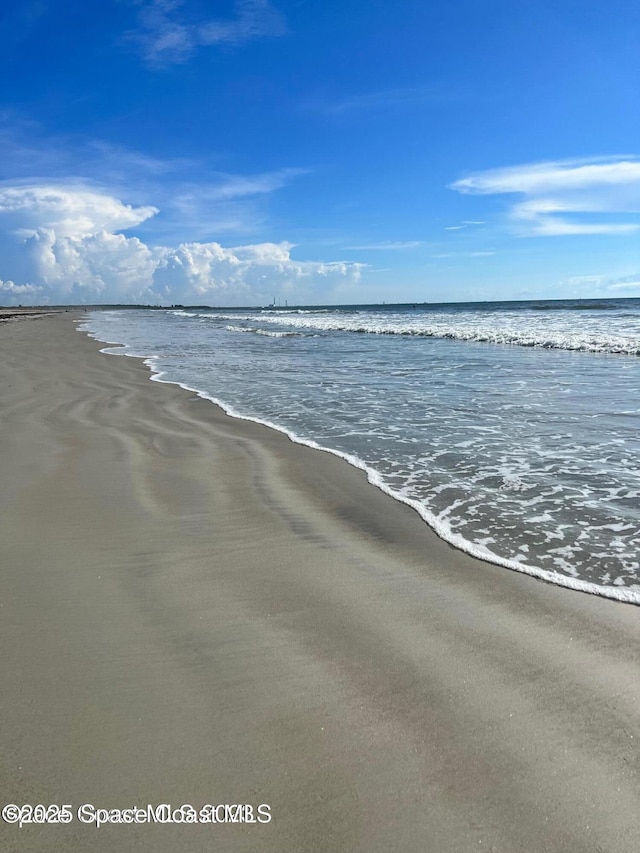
(210, 271)
(62, 243)
(194, 199)
(21, 290)
(28, 151)
(628, 282)
(626, 285)
(479, 254)
(560, 198)
(168, 33)
(605, 284)
(390, 246)
(217, 203)
(466, 223)
(98, 267)
(551, 177)
(68, 210)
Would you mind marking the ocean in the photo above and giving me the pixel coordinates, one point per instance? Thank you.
(513, 428)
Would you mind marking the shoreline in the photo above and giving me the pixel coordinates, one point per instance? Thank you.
(622, 595)
(197, 609)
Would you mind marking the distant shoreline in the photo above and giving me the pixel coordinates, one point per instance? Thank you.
(583, 301)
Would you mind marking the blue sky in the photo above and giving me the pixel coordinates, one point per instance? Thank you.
(228, 153)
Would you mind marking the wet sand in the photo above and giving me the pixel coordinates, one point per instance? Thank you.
(196, 610)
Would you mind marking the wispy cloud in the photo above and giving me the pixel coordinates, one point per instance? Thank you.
(627, 282)
(390, 246)
(197, 201)
(27, 150)
(226, 187)
(563, 197)
(466, 223)
(625, 285)
(485, 253)
(168, 33)
(222, 203)
(605, 283)
(380, 99)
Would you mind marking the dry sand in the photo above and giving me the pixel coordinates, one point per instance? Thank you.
(196, 610)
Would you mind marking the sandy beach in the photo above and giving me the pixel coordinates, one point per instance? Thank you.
(195, 610)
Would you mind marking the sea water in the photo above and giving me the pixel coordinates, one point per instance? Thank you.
(512, 428)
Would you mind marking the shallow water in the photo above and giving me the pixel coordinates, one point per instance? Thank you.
(513, 428)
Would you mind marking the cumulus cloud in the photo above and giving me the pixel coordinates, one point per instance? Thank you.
(62, 244)
(68, 210)
(561, 198)
(168, 33)
(19, 290)
(210, 271)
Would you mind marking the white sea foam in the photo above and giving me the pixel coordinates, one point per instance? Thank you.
(267, 333)
(537, 330)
